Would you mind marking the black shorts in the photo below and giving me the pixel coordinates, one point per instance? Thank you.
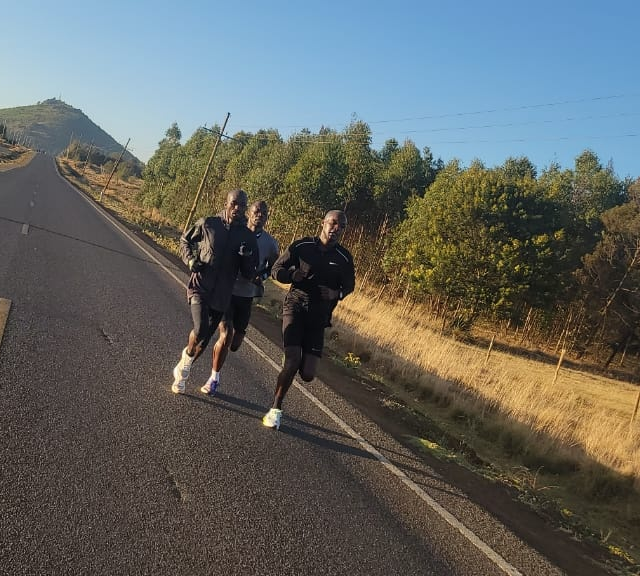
(205, 319)
(238, 314)
(300, 329)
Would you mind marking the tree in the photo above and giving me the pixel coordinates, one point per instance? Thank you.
(310, 187)
(595, 189)
(480, 240)
(517, 168)
(610, 277)
(356, 192)
(401, 177)
(158, 173)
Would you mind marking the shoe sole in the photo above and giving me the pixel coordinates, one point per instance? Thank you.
(208, 392)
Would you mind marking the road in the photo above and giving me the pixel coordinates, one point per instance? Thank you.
(105, 471)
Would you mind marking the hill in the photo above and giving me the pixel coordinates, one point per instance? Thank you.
(51, 125)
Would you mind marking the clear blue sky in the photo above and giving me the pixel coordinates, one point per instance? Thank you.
(485, 80)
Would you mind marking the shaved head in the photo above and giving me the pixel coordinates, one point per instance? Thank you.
(333, 226)
(235, 206)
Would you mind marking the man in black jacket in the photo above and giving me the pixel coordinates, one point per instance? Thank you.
(321, 272)
(216, 249)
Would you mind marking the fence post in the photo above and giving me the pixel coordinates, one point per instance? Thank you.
(555, 376)
(635, 412)
(490, 348)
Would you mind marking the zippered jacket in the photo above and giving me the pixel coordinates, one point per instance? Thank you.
(216, 244)
(332, 267)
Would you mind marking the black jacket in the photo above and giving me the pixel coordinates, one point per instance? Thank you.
(216, 244)
(332, 268)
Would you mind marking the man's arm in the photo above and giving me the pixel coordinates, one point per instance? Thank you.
(249, 257)
(281, 267)
(272, 256)
(189, 243)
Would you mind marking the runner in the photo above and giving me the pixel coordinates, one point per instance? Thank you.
(216, 249)
(233, 326)
(321, 273)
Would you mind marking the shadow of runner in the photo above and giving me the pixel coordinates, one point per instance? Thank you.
(292, 427)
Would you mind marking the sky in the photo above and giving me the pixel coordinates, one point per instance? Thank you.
(470, 80)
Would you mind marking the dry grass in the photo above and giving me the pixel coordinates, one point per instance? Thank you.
(581, 412)
(13, 156)
(570, 432)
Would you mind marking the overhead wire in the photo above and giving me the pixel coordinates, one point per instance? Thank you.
(313, 139)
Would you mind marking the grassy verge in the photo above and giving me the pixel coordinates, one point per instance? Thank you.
(13, 156)
(561, 437)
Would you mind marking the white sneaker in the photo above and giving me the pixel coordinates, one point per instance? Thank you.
(211, 387)
(272, 418)
(181, 373)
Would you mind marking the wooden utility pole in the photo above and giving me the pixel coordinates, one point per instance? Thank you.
(204, 176)
(66, 155)
(114, 169)
(86, 160)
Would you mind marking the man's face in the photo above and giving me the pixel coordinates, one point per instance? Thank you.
(258, 214)
(333, 227)
(235, 206)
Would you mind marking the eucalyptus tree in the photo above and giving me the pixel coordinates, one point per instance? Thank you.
(311, 185)
(400, 176)
(356, 193)
(158, 174)
(187, 166)
(595, 188)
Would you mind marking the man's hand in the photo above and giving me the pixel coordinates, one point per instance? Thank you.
(260, 278)
(302, 273)
(244, 251)
(195, 265)
(327, 293)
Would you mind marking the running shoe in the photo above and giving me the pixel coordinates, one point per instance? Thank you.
(272, 418)
(211, 387)
(181, 373)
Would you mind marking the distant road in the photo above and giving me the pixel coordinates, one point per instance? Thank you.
(105, 471)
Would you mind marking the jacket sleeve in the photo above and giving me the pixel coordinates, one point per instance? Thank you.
(189, 242)
(274, 252)
(281, 267)
(249, 264)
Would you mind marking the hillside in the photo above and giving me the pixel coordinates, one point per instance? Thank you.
(52, 124)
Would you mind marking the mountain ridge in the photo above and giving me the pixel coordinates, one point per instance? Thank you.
(52, 125)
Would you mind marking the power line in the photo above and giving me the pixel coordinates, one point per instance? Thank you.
(486, 111)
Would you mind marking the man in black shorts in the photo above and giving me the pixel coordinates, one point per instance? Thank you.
(321, 272)
(233, 325)
(216, 249)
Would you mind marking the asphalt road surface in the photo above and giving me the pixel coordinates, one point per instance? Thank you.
(105, 471)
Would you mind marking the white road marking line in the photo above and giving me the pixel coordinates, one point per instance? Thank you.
(489, 552)
(437, 508)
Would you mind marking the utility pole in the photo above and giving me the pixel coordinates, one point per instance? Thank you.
(66, 156)
(114, 169)
(206, 173)
(87, 158)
